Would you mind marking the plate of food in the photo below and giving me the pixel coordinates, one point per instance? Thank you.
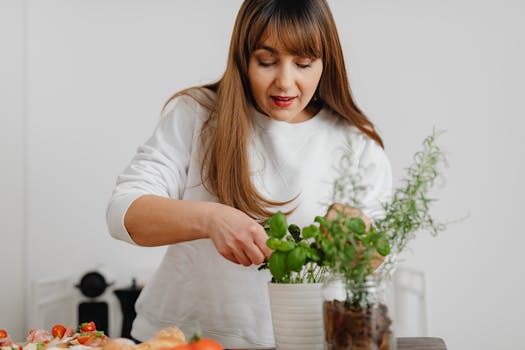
(87, 337)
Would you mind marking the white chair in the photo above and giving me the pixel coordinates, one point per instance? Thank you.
(51, 301)
(410, 303)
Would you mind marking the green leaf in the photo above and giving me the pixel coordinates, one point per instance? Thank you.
(316, 253)
(296, 259)
(356, 225)
(382, 246)
(349, 253)
(278, 225)
(313, 255)
(321, 220)
(285, 246)
(295, 231)
(277, 264)
(371, 238)
(328, 250)
(304, 244)
(310, 231)
(273, 243)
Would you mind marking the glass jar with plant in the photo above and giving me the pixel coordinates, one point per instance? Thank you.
(344, 247)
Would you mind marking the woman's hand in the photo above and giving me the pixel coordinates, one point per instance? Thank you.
(238, 237)
(351, 212)
(338, 208)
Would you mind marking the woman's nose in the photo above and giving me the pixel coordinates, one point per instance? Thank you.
(284, 78)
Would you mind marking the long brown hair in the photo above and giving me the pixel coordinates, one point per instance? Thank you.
(305, 28)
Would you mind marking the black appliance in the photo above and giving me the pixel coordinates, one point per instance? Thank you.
(92, 285)
(127, 298)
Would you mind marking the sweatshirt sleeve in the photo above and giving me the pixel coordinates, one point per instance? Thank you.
(375, 174)
(159, 166)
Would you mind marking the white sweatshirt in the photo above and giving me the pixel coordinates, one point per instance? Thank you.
(195, 287)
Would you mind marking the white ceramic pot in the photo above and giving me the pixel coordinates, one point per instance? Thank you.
(297, 316)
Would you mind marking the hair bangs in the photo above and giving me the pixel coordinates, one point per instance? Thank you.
(290, 28)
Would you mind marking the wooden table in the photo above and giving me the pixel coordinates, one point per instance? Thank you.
(413, 343)
(421, 344)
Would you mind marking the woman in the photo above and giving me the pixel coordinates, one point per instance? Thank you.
(225, 156)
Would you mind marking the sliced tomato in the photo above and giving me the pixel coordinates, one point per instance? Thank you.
(87, 327)
(94, 339)
(84, 338)
(3, 333)
(58, 331)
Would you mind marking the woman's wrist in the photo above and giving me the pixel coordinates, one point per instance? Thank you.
(208, 213)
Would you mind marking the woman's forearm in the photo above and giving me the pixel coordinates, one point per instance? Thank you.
(154, 221)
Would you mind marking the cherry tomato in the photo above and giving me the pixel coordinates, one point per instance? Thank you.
(3, 333)
(58, 331)
(206, 344)
(88, 327)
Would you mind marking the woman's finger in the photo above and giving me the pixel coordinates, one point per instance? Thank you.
(242, 258)
(254, 254)
(259, 238)
(231, 258)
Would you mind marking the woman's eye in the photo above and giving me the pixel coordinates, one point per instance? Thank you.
(266, 63)
(303, 65)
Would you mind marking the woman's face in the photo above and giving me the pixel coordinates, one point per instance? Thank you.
(283, 84)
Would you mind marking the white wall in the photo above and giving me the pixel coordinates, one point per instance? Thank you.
(456, 65)
(98, 73)
(12, 160)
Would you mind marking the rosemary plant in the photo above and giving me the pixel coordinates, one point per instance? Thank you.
(406, 213)
(344, 245)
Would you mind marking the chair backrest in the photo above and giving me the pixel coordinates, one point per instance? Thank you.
(52, 301)
(410, 303)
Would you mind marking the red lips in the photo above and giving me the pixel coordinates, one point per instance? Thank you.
(283, 101)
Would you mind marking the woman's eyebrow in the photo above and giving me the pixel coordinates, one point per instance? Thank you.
(267, 48)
